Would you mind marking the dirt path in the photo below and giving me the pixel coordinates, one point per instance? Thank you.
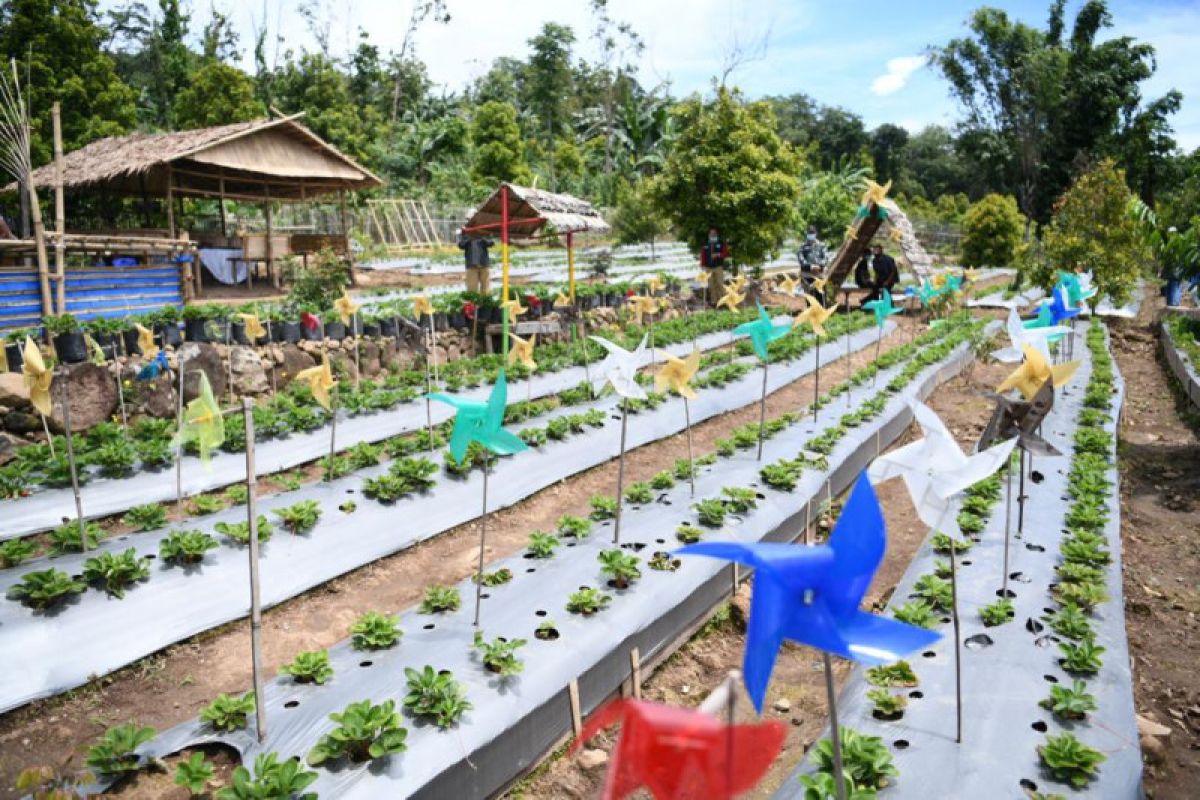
(1160, 481)
(797, 691)
(173, 685)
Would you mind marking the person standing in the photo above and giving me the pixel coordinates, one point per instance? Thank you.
(475, 254)
(813, 257)
(887, 274)
(713, 256)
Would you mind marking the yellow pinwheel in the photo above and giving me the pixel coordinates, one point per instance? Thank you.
(146, 341)
(815, 315)
(254, 328)
(655, 284)
(819, 285)
(37, 377)
(851, 233)
(421, 306)
(895, 235)
(203, 422)
(739, 282)
(515, 309)
(732, 299)
(789, 285)
(971, 275)
(562, 301)
(640, 306)
(939, 280)
(346, 307)
(1034, 371)
(320, 381)
(677, 374)
(521, 351)
(703, 275)
(874, 193)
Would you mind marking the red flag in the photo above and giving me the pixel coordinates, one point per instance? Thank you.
(676, 753)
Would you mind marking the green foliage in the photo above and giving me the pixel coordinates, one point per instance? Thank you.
(1084, 595)
(216, 94)
(300, 517)
(14, 551)
(186, 547)
(272, 778)
(636, 220)
(574, 527)
(147, 517)
(375, 631)
(45, 588)
(240, 531)
(829, 200)
(205, 504)
(898, 674)
(603, 507)
(499, 152)
(1070, 702)
(497, 577)
(638, 493)
(934, 591)
(194, 774)
(228, 712)
(309, 667)
(440, 598)
(587, 601)
(116, 571)
(318, 284)
(688, 533)
(997, 613)
(739, 500)
(1071, 622)
(822, 786)
(1081, 658)
(865, 759)
(499, 655)
(992, 232)
(542, 545)
(941, 544)
(113, 753)
(729, 169)
(1070, 760)
(364, 732)
(435, 694)
(916, 612)
(237, 494)
(711, 513)
(66, 539)
(622, 567)
(887, 704)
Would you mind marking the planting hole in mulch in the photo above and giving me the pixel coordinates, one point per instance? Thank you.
(1039, 726)
(546, 634)
(541, 612)
(1033, 626)
(1019, 577)
(929, 654)
(1037, 548)
(531, 569)
(365, 663)
(965, 563)
(1028, 785)
(1036, 476)
(1050, 678)
(1009, 593)
(291, 704)
(900, 744)
(636, 547)
(978, 641)
(1043, 641)
(916, 694)
(879, 715)
(429, 626)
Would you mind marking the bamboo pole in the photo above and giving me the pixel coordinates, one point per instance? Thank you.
(260, 713)
(60, 223)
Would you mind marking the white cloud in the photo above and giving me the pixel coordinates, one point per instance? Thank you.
(898, 72)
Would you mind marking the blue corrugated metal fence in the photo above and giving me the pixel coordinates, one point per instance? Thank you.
(91, 292)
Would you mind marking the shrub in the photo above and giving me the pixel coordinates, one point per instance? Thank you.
(116, 571)
(375, 631)
(309, 667)
(499, 655)
(440, 598)
(364, 732)
(186, 547)
(992, 231)
(228, 712)
(1070, 760)
(45, 588)
(114, 753)
(435, 694)
(622, 567)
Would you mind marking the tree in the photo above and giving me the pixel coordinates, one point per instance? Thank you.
(217, 94)
(636, 220)
(314, 84)
(992, 232)
(839, 135)
(730, 170)
(887, 146)
(498, 146)
(829, 200)
(548, 78)
(1093, 228)
(931, 165)
(59, 44)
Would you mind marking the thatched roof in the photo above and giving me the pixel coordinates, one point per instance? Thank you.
(276, 158)
(529, 210)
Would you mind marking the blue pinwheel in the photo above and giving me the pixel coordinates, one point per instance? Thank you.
(927, 293)
(153, 368)
(481, 422)
(763, 331)
(1059, 306)
(1077, 293)
(811, 595)
(882, 307)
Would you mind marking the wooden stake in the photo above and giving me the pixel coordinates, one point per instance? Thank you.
(957, 643)
(635, 673)
(835, 738)
(260, 713)
(60, 224)
(621, 472)
(71, 458)
(482, 540)
(1007, 526)
(817, 382)
(576, 716)
(332, 436)
(178, 436)
(687, 421)
(762, 411)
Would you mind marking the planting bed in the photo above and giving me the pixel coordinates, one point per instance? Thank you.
(1009, 668)
(1182, 352)
(516, 719)
(179, 601)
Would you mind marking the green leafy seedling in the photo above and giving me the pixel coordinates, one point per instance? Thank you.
(619, 565)
(300, 517)
(1081, 658)
(499, 655)
(272, 778)
(435, 694)
(711, 513)
(375, 631)
(603, 507)
(1070, 760)
(228, 712)
(898, 674)
(575, 527)
(194, 774)
(1070, 702)
(542, 545)
(916, 612)
(688, 533)
(45, 588)
(116, 572)
(309, 667)
(998, 613)
(865, 759)
(587, 601)
(147, 517)
(364, 732)
(186, 547)
(887, 705)
(440, 598)
(639, 494)
(114, 753)
(14, 551)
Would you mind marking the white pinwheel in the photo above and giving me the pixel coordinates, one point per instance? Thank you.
(934, 467)
(1020, 336)
(620, 368)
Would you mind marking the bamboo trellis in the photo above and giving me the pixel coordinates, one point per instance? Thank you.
(401, 223)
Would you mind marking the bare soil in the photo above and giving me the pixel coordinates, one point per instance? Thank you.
(175, 684)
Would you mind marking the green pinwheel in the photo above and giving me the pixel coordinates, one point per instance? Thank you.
(763, 331)
(1077, 292)
(481, 422)
(883, 308)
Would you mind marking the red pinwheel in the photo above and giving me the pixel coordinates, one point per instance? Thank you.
(678, 753)
(309, 321)
(630, 292)
(532, 300)
(469, 310)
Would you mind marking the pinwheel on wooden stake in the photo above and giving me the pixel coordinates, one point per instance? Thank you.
(619, 370)
(1020, 336)
(481, 423)
(762, 332)
(642, 305)
(254, 327)
(521, 353)
(812, 596)
(320, 382)
(38, 378)
(882, 308)
(1034, 371)
(788, 285)
(814, 316)
(874, 193)
(347, 309)
(676, 376)
(935, 470)
(203, 423)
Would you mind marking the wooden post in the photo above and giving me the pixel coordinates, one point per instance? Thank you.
(221, 206)
(571, 265)
(39, 237)
(60, 223)
(260, 713)
(576, 715)
(635, 673)
(504, 267)
(345, 220)
(170, 201)
(270, 249)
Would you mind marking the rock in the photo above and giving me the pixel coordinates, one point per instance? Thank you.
(93, 393)
(201, 356)
(156, 397)
(295, 360)
(783, 705)
(1154, 750)
(22, 422)
(592, 759)
(342, 364)
(249, 377)
(1149, 727)
(13, 392)
(9, 445)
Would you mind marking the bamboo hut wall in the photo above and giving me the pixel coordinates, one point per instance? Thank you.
(91, 292)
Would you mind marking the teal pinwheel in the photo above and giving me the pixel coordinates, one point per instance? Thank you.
(927, 293)
(953, 283)
(1077, 292)
(1044, 319)
(763, 331)
(883, 308)
(475, 421)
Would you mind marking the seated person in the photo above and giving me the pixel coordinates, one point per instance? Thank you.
(887, 274)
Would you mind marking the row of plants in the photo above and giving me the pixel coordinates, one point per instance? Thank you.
(1185, 331)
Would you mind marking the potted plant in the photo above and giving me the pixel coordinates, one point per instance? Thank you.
(334, 327)
(69, 345)
(370, 326)
(194, 317)
(166, 326)
(104, 333)
(13, 342)
(237, 328)
(311, 328)
(219, 318)
(282, 329)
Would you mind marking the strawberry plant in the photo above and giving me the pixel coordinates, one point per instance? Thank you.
(662, 481)
(300, 517)
(1079, 551)
(499, 655)
(739, 500)
(1082, 658)
(435, 694)
(663, 562)
(14, 551)
(363, 455)
(941, 544)
(237, 494)
(970, 524)
(205, 504)
(147, 517)
(228, 712)
(115, 458)
(1084, 595)
(309, 667)
(638, 493)
(887, 705)
(186, 547)
(998, 613)
(495, 578)
(821, 786)
(546, 631)
(240, 531)
(116, 571)
(934, 591)
(1069, 572)
(575, 527)
(1070, 702)
(417, 473)
(114, 752)
(603, 507)
(711, 513)
(865, 759)
(45, 588)
(194, 774)
(587, 601)
(941, 568)
(688, 533)
(1069, 621)
(782, 475)
(375, 631)
(622, 567)
(916, 612)
(542, 545)
(272, 778)
(66, 539)
(1070, 760)
(898, 674)
(440, 598)
(364, 732)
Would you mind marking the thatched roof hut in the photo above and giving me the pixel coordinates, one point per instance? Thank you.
(529, 210)
(269, 159)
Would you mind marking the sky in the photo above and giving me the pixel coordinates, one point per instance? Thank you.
(865, 58)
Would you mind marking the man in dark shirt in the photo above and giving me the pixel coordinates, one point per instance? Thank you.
(475, 254)
(713, 256)
(887, 275)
